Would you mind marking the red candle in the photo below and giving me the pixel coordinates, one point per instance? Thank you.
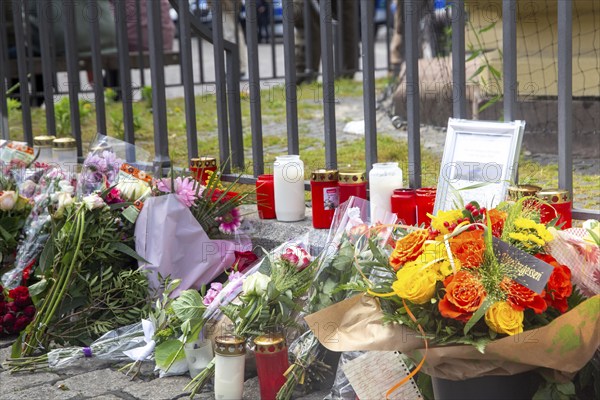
(265, 197)
(557, 203)
(200, 167)
(325, 196)
(425, 199)
(271, 363)
(404, 205)
(352, 183)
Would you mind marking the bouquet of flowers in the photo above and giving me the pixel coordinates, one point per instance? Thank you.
(16, 310)
(86, 285)
(351, 227)
(476, 277)
(268, 300)
(180, 231)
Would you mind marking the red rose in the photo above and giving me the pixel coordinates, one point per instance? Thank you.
(521, 297)
(21, 323)
(20, 296)
(2, 307)
(12, 307)
(464, 295)
(29, 311)
(8, 321)
(559, 286)
(244, 259)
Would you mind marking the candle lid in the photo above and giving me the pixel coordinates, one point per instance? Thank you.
(230, 345)
(265, 177)
(203, 162)
(64, 143)
(43, 140)
(324, 175)
(270, 343)
(554, 196)
(352, 176)
(516, 192)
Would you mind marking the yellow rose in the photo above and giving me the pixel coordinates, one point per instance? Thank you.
(502, 318)
(415, 284)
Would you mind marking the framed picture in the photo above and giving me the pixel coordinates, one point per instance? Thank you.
(479, 163)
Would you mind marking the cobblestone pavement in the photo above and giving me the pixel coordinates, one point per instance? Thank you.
(90, 379)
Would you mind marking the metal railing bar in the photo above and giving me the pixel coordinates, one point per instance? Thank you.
(140, 44)
(509, 64)
(565, 93)
(29, 48)
(308, 16)
(234, 108)
(291, 99)
(125, 74)
(389, 19)
(328, 84)
(157, 75)
(583, 215)
(368, 61)
(97, 69)
(200, 60)
(222, 121)
(50, 5)
(187, 76)
(272, 39)
(46, 55)
(337, 25)
(411, 22)
(73, 83)
(4, 128)
(22, 72)
(459, 87)
(254, 88)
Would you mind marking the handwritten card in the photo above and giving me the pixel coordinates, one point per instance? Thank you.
(374, 373)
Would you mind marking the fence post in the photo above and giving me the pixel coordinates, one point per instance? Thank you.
(291, 100)
(459, 89)
(565, 93)
(411, 25)
(328, 83)
(157, 73)
(509, 51)
(368, 67)
(97, 69)
(4, 130)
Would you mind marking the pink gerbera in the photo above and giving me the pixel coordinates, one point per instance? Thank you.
(230, 222)
(185, 189)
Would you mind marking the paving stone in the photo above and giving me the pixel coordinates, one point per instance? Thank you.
(94, 383)
(42, 392)
(12, 383)
(158, 389)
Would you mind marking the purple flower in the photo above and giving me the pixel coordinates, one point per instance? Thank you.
(230, 222)
(185, 189)
(213, 292)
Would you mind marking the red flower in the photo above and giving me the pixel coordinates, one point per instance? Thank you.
(29, 311)
(244, 259)
(2, 307)
(12, 307)
(559, 286)
(497, 218)
(21, 323)
(8, 321)
(20, 296)
(464, 295)
(521, 297)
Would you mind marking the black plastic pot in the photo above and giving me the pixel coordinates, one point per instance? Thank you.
(505, 387)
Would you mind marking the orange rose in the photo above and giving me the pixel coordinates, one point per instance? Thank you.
(521, 297)
(408, 248)
(468, 247)
(464, 295)
(497, 219)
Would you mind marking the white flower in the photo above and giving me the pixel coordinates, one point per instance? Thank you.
(64, 200)
(65, 186)
(93, 201)
(256, 284)
(28, 188)
(8, 199)
(132, 189)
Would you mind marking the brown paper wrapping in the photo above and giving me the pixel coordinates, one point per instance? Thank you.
(564, 345)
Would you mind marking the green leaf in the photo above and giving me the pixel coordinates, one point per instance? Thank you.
(189, 306)
(487, 28)
(477, 72)
(478, 314)
(123, 248)
(568, 388)
(37, 288)
(166, 353)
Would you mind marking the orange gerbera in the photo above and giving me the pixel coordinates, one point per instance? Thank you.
(408, 248)
(497, 219)
(468, 247)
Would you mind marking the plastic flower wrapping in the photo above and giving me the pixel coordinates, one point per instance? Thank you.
(476, 277)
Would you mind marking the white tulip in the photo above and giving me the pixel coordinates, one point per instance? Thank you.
(8, 199)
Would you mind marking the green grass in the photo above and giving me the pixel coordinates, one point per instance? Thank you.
(273, 106)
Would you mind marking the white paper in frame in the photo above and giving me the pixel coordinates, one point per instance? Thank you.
(478, 153)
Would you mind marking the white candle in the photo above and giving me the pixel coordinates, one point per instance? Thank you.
(230, 359)
(288, 178)
(383, 179)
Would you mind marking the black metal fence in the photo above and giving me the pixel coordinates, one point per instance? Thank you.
(30, 55)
